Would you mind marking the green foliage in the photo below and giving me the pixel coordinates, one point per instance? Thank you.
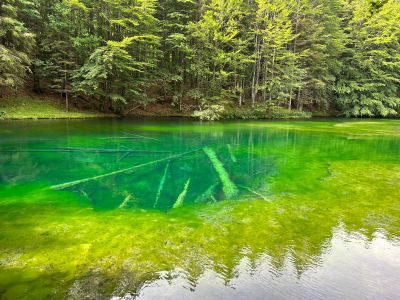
(56, 58)
(16, 42)
(104, 75)
(276, 70)
(297, 54)
(219, 49)
(262, 111)
(14, 66)
(369, 85)
(210, 113)
(321, 44)
(282, 113)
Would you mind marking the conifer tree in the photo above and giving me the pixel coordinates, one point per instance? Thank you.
(297, 54)
(219, 58)
(16, 42)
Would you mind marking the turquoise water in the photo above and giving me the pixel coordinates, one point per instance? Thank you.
(161, 209)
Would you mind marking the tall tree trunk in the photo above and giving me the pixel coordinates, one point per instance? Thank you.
(256, 72)
(65, 89)
(66, 102)
(241, 85)
(272, 74)
(294, 51)
(299, 104)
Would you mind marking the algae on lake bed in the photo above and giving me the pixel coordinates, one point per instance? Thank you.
(106, 238)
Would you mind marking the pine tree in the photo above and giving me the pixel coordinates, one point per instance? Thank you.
(121, 68)
(16, 42)
(174, 17)
(56, 59)
(310, 54)
(219, 57)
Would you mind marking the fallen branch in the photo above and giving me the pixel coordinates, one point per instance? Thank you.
(81, 150)
(110, 150)
(84, 194)
(126, 201)
(141, 136)
(77, 182)
(182, 195)
(121, 138)
(124, 156)
(132, 109)
(255, 193)
(214, 200)
(161, 186)
(207, 194)
(229, 188)
(260, 172)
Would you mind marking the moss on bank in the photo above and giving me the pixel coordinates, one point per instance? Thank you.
(26, 107)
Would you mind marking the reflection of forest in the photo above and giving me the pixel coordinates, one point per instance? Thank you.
(321, 190)
(331, 275)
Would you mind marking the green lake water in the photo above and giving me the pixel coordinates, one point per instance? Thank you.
(153, 209)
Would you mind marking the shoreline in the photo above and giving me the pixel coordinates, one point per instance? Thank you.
(28, 107)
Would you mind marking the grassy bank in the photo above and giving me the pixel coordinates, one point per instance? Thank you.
(220, 112)
(263, 112)
(45, 107)
(27, 107)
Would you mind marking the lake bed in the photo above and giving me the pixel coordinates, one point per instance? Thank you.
(161, 209)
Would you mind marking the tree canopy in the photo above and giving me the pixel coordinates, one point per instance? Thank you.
(298, 54)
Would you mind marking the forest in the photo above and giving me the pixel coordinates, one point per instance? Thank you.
(206, 55)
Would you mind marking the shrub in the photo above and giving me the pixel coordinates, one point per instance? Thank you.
(210, 113)
(265, 111)
(282, 113)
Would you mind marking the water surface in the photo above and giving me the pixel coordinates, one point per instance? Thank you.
(145, 209)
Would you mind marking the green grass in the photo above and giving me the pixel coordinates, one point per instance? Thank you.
(41, 108)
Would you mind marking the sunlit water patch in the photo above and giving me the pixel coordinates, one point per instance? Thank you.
(182, 210)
